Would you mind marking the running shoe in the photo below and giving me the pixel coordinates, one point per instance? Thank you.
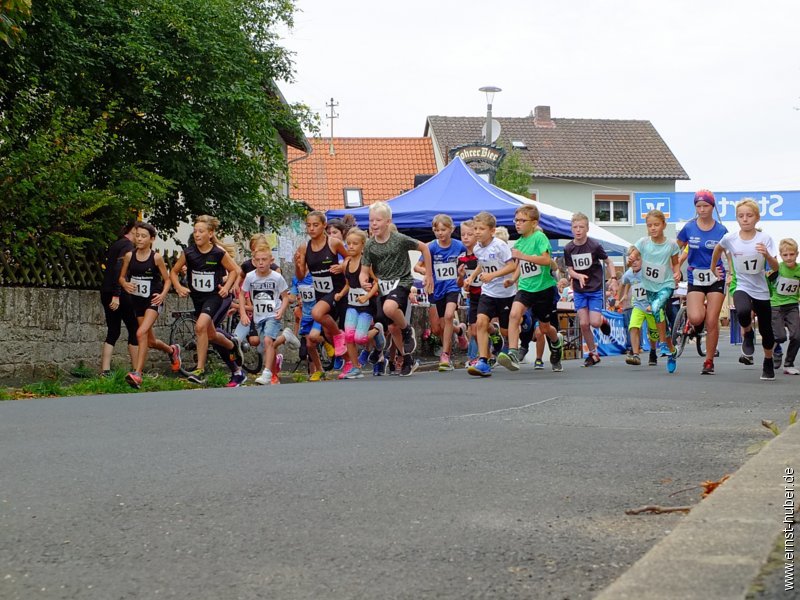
(339, 344)
(653, 360)
(354, 373)
(663, 349)
(749, 343)
(591, 359)
(633, 359)
(539, 364)
(708, 367)
(768, 371)
(409, 340)
(363, 358)
(672, 362)
(409, 366)
(134, 379)
(556, 350)
(745, 360)
(237, 379)
(497, 342)
(329, 350)
(777, 359)
(461, 336)
(509, 360)
(274, 380)
(291, 339)
(338, 363)
(265, 378)
(380, 337)
(605, 327)
(480, 368)
(175, 358)
(379, 368)
(522, 351)
(471, 363)
(787, 370)
(316, 376)
(197, 376)
(444, 362)
(236, 356)
(348, 366)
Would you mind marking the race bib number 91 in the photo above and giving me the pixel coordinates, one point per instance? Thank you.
(703, 277)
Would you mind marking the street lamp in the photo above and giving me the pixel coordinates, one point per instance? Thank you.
(490, 91)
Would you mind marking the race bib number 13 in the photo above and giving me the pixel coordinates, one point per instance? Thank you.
(141, 287)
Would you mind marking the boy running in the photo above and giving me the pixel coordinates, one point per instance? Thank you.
(785, 288)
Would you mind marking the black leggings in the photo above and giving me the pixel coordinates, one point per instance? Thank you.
(115, 318)
(745, 306)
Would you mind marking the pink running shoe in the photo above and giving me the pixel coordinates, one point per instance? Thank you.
(339, 344)
(348, 366)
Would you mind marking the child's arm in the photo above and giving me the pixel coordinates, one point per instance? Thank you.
(300, 263)
(502, 272)
(173, 276)
(419, 267)
(715, 257)
(233, 274)
(123, 274)
(343, 292)
(676, 268)
(365, 276)
(162, 269)
(471, 279)
(338, 247)
(243, 318)
(284, 304)
(613, 279)
(537, 259)
(622, 292)
(427, 279)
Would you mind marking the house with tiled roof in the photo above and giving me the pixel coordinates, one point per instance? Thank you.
(594, 166)
(352, 172)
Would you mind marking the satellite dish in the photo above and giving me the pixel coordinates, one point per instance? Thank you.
(495, 130)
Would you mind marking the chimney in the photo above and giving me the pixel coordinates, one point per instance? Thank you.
(541, 117)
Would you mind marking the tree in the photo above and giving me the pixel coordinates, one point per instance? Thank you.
(173, 104)
(12, 14)
(512, 175)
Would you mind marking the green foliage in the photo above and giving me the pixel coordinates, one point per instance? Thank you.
(112, 108)
(12, 14)
(512, 174)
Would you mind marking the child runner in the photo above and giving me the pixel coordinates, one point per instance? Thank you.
(269, 293)
(467, 265)
(706, 290)
(785, 287)
(320, 257)
(640, 310)
(144, 276)
(661, 273)
(752, 252)
(386, 258)
(537, 289)
(445, 252)
(116, 302)
(496, 269)
(207, 263)
(303, 289)
(361, 308)
(584, 258)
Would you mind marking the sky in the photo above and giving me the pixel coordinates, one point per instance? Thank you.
(719, 79)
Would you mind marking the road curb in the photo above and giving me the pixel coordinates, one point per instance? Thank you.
(719, 548)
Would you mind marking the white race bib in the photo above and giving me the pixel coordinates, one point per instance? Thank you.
(202, 282)
(786, 286)
(752, 264)
(655, 273)
(581, 262)
(490, 266)
(529, 269)
(323, 285)
(263, 307)
(306, 293)
(385, 286)
(445, 271)
(141, 287)
(468, 273)
(703, 277)
(638, 293)
(353, 294)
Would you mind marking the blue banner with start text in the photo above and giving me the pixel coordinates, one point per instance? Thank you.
(679, 206)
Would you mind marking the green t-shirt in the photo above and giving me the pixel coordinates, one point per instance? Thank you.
(533, 277)
(785, 288)
(390, 261)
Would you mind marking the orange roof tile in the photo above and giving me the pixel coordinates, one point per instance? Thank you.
(381, 167)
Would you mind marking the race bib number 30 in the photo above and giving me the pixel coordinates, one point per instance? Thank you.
(786, 286)
(445, 271)
(703, 277)
(750, 265)
(581, 262)
(202, 282)
(141, 287)
(528, 269)
(323, 285)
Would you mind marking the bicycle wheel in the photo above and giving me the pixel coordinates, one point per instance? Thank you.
(253, 359)
(700, 340)
(182, 333)
(679, 331)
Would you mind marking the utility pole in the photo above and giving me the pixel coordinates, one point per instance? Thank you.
(332, 116)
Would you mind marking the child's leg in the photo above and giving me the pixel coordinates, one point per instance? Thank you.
(713, 308)
(586, 328)
(635, 335)
(514, 322)
(437, 326)
(791, 319)
(142, 334)
(350, 320)
(483, 336)
(364, 329)
(764, 315)
(269, 352)
(448, 327)
(322, 315)
(393, 312)
(203, 329)
(539, 343)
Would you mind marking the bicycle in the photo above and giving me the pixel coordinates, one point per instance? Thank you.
(683, 331)
(182, 333)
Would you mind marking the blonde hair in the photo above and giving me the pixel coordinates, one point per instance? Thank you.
(468, 223)
(485, 218)
(212, 223)
(262, 248)
(656, 214)
(579, 216)
(788, 243)
(501, 233)
(230, 248)
(381, 208)
(319, 215)
(529, 210)
(255, 239)
(632, 250)
(443, 219)
(751, 204)
(359, 233)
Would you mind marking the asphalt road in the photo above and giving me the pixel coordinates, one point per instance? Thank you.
(434, 486)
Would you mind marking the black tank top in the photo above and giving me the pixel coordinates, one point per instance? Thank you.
(145, 276)
(356, 290)
(319, 265)
(204, 271)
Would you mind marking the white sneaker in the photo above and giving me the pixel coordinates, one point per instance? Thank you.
(265, 378)
(790, 371)
(291, 339)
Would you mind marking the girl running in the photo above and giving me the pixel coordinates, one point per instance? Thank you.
(144, 276)
(320, 258)
(706, 290)
(661, 274)
(752, 252)
(207, 264)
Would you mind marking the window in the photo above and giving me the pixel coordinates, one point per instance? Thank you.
(353, 198)
(533, 195)
(611, 209)
(518, 144)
